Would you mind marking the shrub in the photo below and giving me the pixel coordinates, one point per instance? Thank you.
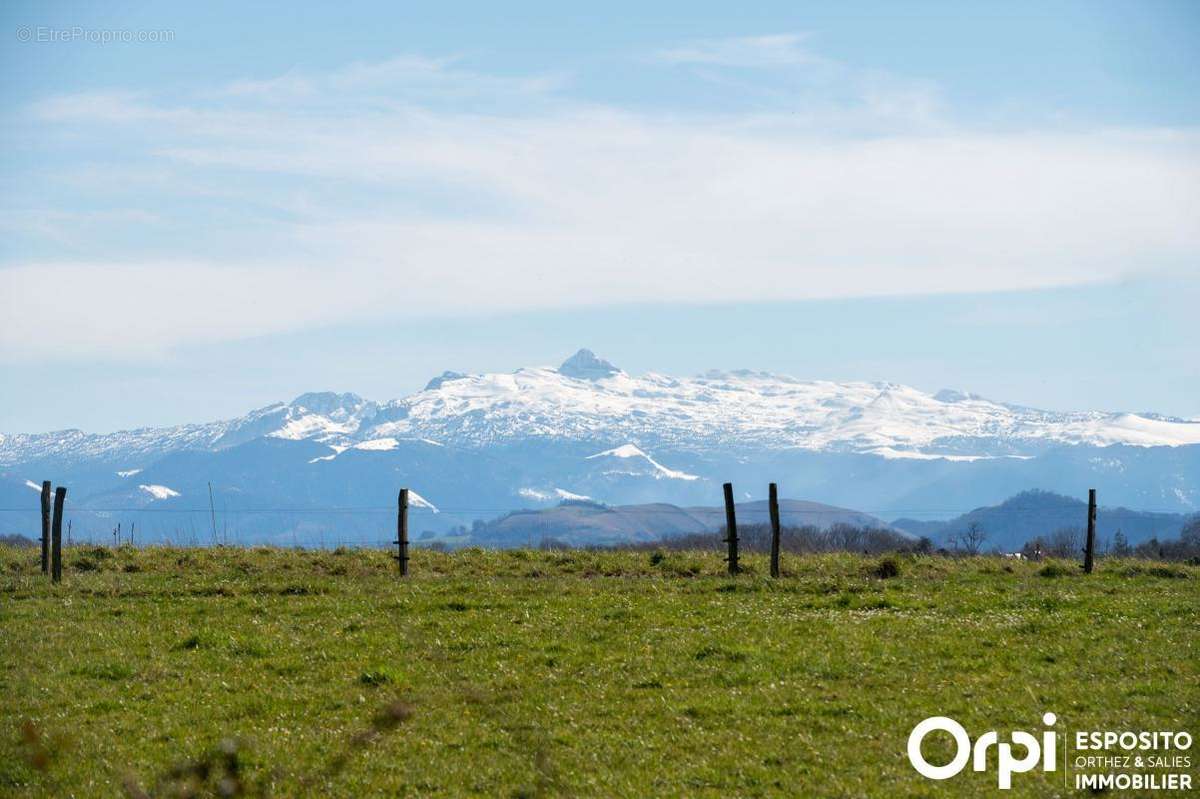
(886, 569)
(375, 677)
(85, 564)
(1054, 570)
(1168, 572)
(719, 653)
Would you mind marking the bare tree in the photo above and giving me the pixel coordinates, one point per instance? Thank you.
(1065, 542)
(1189, 536)
(1120, 546)
(970, 540)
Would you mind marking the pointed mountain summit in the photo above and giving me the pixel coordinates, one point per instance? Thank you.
(328, 403)
(584, 365)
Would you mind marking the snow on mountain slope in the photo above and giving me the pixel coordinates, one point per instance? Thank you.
(334, 418)
(415, 500)
(557, 494)
(323, 416)
(159, 492)
(589, 400)
(630, 452)
(751, 410)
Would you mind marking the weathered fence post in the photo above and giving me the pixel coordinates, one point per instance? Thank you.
(731, 537)
(773, 503)
(45, 527)
(402, 532)
(1089, 553)
(212, 511)
(60, 496)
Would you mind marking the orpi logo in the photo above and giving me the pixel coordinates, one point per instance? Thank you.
(1006, 764)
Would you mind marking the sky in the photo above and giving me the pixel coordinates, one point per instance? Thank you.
(205, 208)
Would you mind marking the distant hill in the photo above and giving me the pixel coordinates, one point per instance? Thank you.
(583, 523)
(17, 541)
(1030, 514)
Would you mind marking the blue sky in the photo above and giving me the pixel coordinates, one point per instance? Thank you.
(270, 199)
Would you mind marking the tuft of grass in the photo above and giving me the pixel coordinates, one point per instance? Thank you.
(718, 653)
(247, 647)
(102, 671)
(373, 677)
(1168, 572)
(886, 569)
(191, 642)
(1055, 570)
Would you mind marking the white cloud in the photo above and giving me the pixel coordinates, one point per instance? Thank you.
(367, 202)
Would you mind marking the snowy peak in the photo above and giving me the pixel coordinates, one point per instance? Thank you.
(443, 378)
(584, 365)
(623, 451)
(321, 416)
(952, 395)
(329, 403)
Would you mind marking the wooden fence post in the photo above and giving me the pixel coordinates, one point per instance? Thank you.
(212, 511)
(402, 532)
(773, 502)
(1089, 553)
(45, 527)
(731, 536)
(60, 496)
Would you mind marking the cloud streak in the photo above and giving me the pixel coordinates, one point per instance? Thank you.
(743, 51)
(363, 194)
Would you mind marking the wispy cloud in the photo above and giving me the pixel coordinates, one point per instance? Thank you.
(777, 50)
(410, 77)
(363, 193)
(783, 71)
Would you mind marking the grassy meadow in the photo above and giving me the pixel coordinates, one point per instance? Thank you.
(159, 671)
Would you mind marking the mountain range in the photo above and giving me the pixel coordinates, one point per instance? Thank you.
(580, 522)
(1029, 514)
(474, 447)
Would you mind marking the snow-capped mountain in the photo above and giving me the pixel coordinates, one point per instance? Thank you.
(589, 429)
(589, 399)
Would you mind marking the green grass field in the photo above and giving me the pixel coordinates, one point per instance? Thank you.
(517, 673)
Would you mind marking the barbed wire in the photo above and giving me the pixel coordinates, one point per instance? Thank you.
(640, 510)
